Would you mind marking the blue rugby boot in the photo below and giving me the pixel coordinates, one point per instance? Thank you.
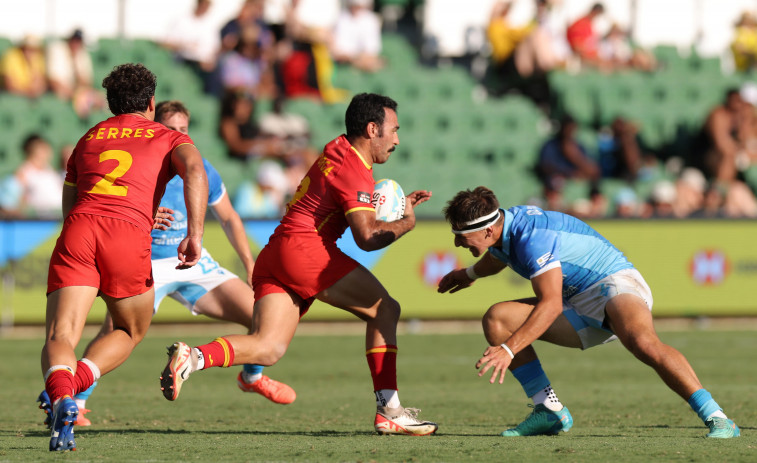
(722, 428)
(64, 414)
(45, 406)
(542, 421)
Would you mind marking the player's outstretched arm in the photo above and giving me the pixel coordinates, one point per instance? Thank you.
(188, 163)
(459, 279)
(234, 228)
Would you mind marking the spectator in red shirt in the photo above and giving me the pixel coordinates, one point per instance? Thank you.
(583, 39)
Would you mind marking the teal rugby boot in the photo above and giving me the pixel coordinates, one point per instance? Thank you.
(542, 421)
(722, 428)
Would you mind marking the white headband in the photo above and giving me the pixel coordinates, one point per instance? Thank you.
(479, 223)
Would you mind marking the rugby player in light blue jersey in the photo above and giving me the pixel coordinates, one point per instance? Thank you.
(586, 293)
(207, 288)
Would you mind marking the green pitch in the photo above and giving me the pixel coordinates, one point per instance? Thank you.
(622, 411)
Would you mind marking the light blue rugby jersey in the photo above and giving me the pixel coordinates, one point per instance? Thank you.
(534, 241)
(164, 242)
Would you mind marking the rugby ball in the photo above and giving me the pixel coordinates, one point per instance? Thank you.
(389, 200)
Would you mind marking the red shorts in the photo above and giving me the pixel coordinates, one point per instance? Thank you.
(301, 264)
(109, 254)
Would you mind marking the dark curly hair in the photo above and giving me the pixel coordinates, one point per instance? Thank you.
(129, 88)
(365, 108)
(469, 205)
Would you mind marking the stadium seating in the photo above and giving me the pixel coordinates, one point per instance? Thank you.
(450, 138)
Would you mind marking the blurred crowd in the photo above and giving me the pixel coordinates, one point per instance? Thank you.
(270, 50)
(710, 182)
(279, 50)
(522, 55)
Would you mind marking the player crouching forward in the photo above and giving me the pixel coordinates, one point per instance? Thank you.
(301, 263)
(587, 293)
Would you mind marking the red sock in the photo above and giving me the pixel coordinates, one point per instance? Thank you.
(83, 377)
(60, 383)
(218, 353)
(382, 360)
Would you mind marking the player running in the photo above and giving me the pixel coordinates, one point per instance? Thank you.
(114, 181)
(206, 288)
(587, 293)
(301, 262)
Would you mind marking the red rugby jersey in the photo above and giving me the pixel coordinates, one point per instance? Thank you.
(121, 166)
(338, 183)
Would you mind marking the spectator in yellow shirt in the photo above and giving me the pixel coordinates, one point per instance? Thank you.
(22, 68)
(744, 45)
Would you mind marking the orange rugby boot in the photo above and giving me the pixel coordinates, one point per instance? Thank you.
(272, 390)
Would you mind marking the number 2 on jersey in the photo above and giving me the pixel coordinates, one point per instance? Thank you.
(105, 186)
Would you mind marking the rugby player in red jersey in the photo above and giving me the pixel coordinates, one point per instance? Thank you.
(114, 182)
(301, 263)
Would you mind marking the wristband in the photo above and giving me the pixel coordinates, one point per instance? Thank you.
(471, 273)
(508, 350)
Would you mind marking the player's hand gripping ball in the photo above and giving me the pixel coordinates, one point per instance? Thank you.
(389, 200)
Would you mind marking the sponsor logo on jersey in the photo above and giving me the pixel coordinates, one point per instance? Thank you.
(363, 197)
(532, 210)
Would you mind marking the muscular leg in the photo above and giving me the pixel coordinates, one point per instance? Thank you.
(503, 318)
(67, 310)
(631, 320)
(275, 317)
(131, 317)
(274, 323)
(232, 301)
(360, 293)
(549, 415)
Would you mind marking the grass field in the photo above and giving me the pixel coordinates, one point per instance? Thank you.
(622, 411)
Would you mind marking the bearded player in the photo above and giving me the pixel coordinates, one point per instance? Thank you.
(301, 263)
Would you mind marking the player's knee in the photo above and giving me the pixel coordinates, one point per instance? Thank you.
(271, 354)
(134, 334)
(493, 324)
(390, 309)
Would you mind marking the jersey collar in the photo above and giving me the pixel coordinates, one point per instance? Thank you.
(367, 166)
(504, 241)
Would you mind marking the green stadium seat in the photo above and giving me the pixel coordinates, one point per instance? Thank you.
(750, 175)
(5, 43)
(670, 59)
(574, 190)
(398, 52)
(204, 113)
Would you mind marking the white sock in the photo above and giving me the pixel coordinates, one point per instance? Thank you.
(80, 403)
(58, 367)
(251, 378)
(388, 398)
(548, 398)
(718, 414)
(92, 367)
(200, 360)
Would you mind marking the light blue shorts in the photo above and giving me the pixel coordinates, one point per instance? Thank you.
(586, 310)
(189, 285)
